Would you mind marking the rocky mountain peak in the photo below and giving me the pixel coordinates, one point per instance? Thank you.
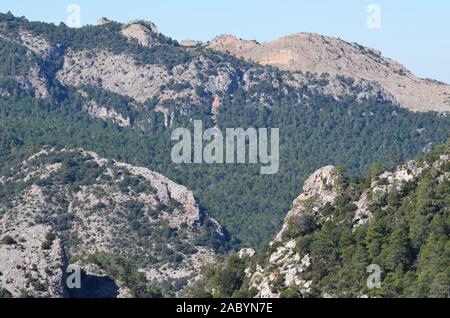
(145, 23)
(231, 44)
(190, 43)
(289, 259)
(103, 21)
(321, 184)
(318, 190)
(176, 79)
(315, 53)
(145, 32)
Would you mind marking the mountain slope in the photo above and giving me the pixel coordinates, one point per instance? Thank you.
(66, 207)
(120, 89)
(397, 221)
(136, 61)
(310, 52)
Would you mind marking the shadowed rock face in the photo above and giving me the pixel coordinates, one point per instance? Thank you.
(309, 52)
(95, 287)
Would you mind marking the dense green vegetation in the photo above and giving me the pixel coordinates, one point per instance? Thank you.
(408, 239)
(5, 294)
(7, 240)
(315, 131)
(243, 200)
(126, 272)
(227, 279)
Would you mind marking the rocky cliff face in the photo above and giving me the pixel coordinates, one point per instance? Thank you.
(30, 75)
(144, 32)
(320, 189)
(26, 267)
(201, 77)
(309, 52)
(121, 74)
(287, 264)
(330, 66)
(66, 206)
(231, 44)
(70, 206)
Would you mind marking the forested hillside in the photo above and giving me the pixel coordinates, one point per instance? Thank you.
(341, 231)
(133, 232)
(353, 126)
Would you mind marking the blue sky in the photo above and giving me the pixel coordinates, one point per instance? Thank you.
(414, 32)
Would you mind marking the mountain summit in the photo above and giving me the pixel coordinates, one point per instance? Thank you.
(339, 230)
(314, 53)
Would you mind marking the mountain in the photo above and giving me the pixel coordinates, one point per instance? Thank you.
(132, 231)
(120, 89)
(318, 54)
(175, 79)
(397, 221)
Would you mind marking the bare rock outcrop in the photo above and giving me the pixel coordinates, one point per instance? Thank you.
(285, 263)
(391, 181)
(190, 43)
(28, 267)
(36, 44)
(123, 75)
(231, 44)
(104, 113)
(314, 53)
(34, 81)
(103, 21)
(319, 189)
(145, 32)
(72, 204)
